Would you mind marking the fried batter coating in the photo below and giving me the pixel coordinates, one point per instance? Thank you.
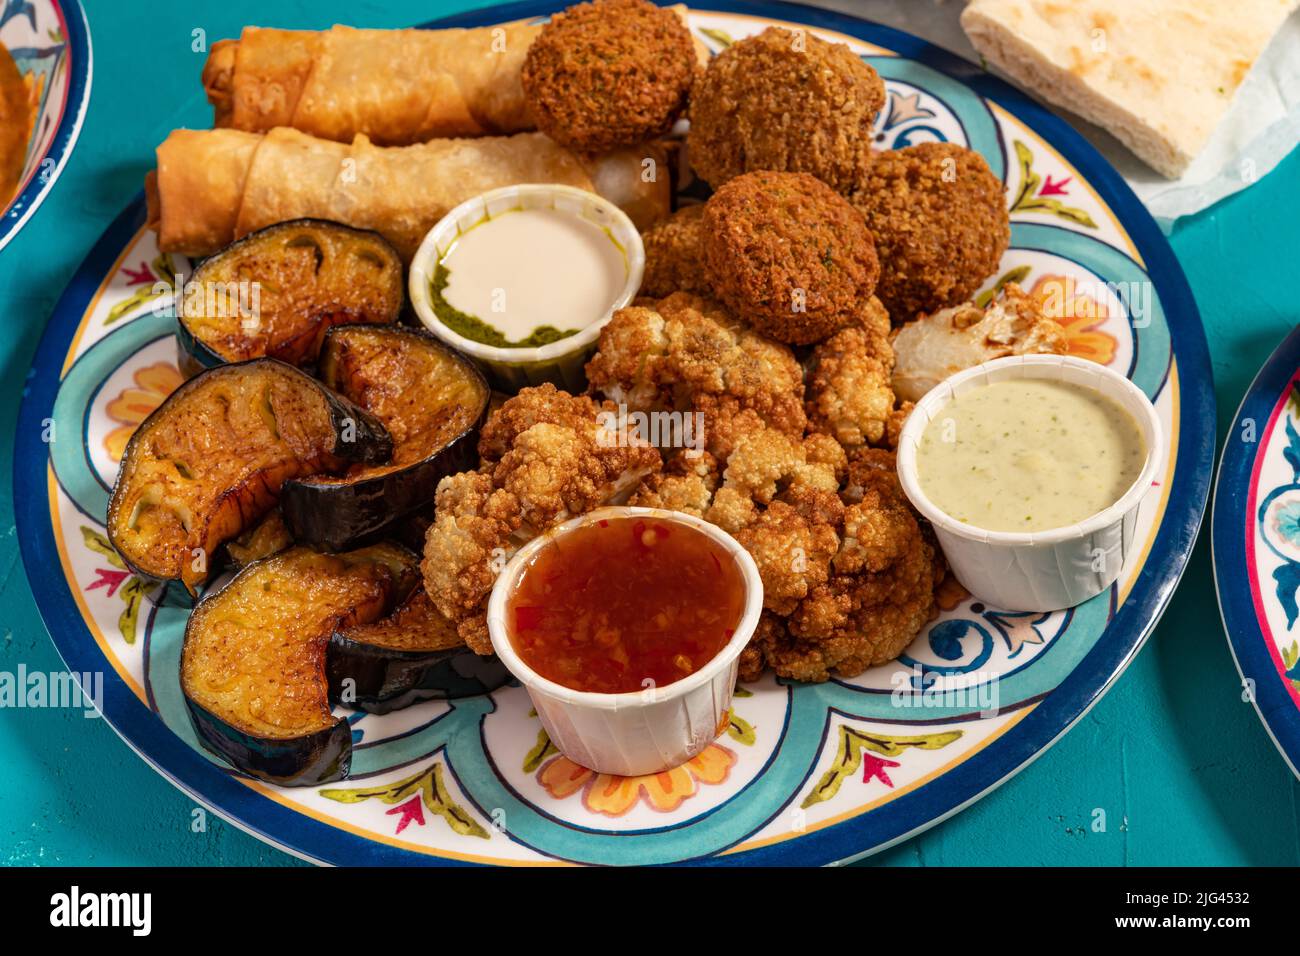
(848, 576)
(881, 591)
(685, 353)
(935, 346)
(939, 218)
(686, 484)
(849, 395)
(609, 73)
(766, 462)
(465, 548)
(784, 100)
(673, 258)
(788, 254)
(793, 554)
(547, 456)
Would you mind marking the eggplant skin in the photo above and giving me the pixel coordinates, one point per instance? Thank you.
(253, 664)
(309, 275)
(316, 758)
(210, 462)
(418, 388)
(408, 657)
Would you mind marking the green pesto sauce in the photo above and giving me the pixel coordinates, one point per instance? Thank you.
(475, 329)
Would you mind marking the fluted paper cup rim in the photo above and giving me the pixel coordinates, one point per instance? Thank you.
(498, 629)
(1106, 381)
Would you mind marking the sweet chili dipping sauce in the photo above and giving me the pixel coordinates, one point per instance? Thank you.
(623, 601)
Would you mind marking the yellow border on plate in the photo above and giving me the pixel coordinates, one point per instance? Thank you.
(892, 795)
(94, 301)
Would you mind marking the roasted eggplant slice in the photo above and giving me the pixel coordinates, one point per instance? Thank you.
(210, 461)
(276, 292)
(269, 536)
(433, 402)
(253, 662)
(414, 654)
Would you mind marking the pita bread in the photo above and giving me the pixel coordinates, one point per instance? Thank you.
(1158, 74)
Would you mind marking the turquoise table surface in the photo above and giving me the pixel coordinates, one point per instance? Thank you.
(1179, 762)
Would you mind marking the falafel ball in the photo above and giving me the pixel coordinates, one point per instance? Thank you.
(939, 218)
(788, 254)
(784, 100)
(609, 73)
(672, 255)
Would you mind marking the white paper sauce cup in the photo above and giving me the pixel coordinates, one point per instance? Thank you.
(643, 731)
(1043, 570)
(562, 362)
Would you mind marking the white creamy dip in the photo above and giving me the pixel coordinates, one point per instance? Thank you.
(530, 269)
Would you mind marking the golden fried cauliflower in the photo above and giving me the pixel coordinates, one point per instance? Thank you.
(935, 346)
(848, 571)
(880, 591)
(849, 395)
(686, 353)
(546, 457)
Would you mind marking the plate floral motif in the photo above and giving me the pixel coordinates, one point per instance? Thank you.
(803, 773)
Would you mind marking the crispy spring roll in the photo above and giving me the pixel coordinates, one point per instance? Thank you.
(396, 86)
(213, 186)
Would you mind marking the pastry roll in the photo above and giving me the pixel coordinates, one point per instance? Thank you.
(213, 186)
(395, 86)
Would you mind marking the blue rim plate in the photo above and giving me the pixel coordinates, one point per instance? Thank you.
(64, 113)
(1256, 545)
(1046, 689)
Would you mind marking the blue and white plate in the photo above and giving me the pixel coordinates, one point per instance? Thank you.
(805, 773)
(50, 42)
(1256, 530)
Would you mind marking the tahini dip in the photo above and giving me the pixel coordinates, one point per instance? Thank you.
(528, 277)
(1029, 455)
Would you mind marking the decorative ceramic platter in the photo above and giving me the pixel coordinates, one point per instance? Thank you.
(1256, 528)
(50, 42)
(804, 773)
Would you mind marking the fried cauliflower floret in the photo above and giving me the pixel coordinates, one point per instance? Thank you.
(686, 353)
(788, 254)
(546, 456)
(673, 256)
(766, 462)
(939, 218)
(465, 547)
(935, 346)
(879, 589)
(609, 73)
(856, 621)
(783, 100)
(849, 394)
(687, 484)
(793, 554)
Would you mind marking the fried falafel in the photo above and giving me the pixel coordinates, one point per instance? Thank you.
(784, 100)
(673, 255)
(788, 254)
(609, 73)
(939, 219)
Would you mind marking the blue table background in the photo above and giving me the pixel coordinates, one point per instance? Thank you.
(1177, 760)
